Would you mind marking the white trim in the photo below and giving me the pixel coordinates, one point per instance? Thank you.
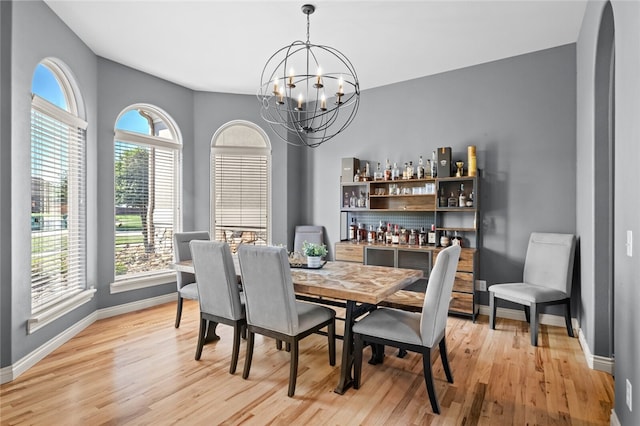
(47, 108)
(595, 362)
(613, 420)
(47, 316)
(12, 372)
(31, 359)
(146, 140)
(142, 281)
(126, 308)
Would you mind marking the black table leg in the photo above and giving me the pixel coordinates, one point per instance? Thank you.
(346, 379)
(211, 335)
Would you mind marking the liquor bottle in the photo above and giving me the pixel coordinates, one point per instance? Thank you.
(462, 197)
(395, 173)
(346, 201)
(410, 171)
(380, 233)
(356, 177)
(353, 201)
(443, 198)
(378, 173)
(434, 165)
(431, 238)
(395, 239)
(353, 230)
(420, 172)
(388, 236)
(412, 238)
(367, 172)
(453, 200)
(404, 171)
(387, 171)
(422, 237)
(427, 170)
(372, 235)
(404, 236)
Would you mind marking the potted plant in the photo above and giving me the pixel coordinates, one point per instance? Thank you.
(314, 253)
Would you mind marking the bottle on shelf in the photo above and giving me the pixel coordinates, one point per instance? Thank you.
(434, 165)
(388, 236)
(353, 201)
(380, 233)
(395, 173)
(422, 237)
(444, 240)
(353, 230)
(456, 240)
(410, 171)
(347, 200)
(420, 170)
(453, 200)
(367, 172)
(470, 199)
(356, 177)
(412, 238)
(377, 175)
(443, 198)
(395, 239)
(387, 171)
(404, 236)
(431, 237)
(372, 235)
(404, 171)
(362, 231)
(462, 197)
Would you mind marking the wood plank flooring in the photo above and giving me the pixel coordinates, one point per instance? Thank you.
(138, 369)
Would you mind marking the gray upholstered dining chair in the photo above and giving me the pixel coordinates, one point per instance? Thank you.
(186, 282)
(272, 309)
(218, 292)
(309, 233)
(547, 278)
(412, 331)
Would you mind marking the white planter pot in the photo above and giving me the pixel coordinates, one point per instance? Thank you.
(314, 261)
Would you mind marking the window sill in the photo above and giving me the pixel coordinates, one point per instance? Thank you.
(142, 281)
(56, 311)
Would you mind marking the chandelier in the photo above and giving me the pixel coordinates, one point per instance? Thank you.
(309, 93)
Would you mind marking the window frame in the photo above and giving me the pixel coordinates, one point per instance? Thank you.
(70, 298)
(135, 281)
(245, 151)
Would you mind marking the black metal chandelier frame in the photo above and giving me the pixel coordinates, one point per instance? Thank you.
(313, 118)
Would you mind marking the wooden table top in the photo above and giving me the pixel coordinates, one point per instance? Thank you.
(344, 280)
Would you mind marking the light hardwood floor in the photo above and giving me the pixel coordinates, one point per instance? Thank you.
(138, 369)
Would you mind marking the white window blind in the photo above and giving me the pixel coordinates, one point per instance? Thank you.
(58, 205)
(240, 188)
(146, 204)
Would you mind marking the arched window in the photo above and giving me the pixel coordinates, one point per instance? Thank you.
(58, 191)
(147, 155)
(241, 184)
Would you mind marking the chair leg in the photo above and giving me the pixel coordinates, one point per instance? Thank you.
(567, 317)
(293, 372)
(527, 313)
(445, 360)
(236, 347)
(492, 310)
(428, 378)
(331, 335)
(201, 333)
(357, 360)
(533, 327)
(249, 354)
(179, 312)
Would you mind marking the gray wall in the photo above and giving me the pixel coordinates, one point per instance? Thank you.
(626, 17)
(521, 115)
(118, 88)
(28, 48)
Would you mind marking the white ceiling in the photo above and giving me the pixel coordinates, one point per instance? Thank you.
(222, 46)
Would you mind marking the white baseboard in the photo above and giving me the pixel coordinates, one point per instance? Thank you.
(595, 362)
(613, 420)
(11, 372)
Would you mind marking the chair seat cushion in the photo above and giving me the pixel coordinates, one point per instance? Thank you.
(525, 294)
(189, 291)
(310, 315)
(391, 324)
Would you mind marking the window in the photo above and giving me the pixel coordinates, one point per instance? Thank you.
(241, 185)
(58, 196)
(147, 152)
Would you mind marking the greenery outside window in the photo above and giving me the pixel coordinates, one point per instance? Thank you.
(146, 196)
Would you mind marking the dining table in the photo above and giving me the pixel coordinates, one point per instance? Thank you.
(356, 287)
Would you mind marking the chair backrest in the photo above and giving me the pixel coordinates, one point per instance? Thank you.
(549, 261)
(269, 296)
(181, 251)
(218, 291)
(436, 300)
(308, 233)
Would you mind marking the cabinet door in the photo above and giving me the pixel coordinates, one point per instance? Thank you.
(349, 252)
